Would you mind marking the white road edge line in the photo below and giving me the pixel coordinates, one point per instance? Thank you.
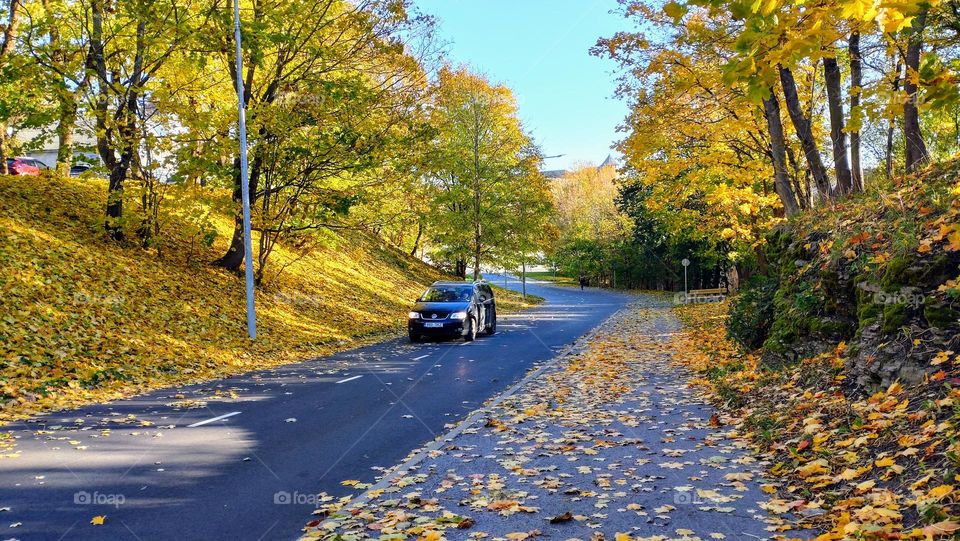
(208, 421)
(421, 357)
(350, 379)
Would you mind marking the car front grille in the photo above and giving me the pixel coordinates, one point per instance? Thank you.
(434, 315)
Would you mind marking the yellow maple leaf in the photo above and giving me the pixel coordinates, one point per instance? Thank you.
(941, 357)
(866, 485)
(885, 462)
(98, 520)
(953, 241)
(940, 491)
(848, 474)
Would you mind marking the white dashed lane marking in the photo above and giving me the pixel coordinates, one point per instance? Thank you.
(218, 418)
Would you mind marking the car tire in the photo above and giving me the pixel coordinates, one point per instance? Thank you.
(415, 338)
(492, 328)
(471, 330)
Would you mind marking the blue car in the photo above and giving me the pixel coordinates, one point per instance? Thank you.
(453, 310)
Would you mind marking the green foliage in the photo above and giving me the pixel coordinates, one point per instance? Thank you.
(490, 203)
(752, 311)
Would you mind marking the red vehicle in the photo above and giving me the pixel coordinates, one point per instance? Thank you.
(25, 166)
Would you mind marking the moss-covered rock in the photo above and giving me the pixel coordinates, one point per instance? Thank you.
(940, 314)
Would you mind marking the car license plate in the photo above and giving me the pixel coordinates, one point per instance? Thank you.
(433, 325)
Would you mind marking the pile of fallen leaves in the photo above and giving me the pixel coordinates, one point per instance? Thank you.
(86, 319)
(883, 466)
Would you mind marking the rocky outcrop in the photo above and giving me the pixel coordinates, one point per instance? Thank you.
(895, 317)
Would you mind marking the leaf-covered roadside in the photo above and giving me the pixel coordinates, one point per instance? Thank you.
(609, 442)
(84, 320)
(883, 466)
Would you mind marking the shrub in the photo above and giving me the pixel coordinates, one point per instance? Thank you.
(751, 311)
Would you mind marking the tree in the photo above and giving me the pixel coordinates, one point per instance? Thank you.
(480, 147)
(838, 137)
(805, 133)
(778, 154)
(530, 208)
(327, 51)
(56, 42)
(916, 150)
(129, 41)
(856, 89)
(10, 28)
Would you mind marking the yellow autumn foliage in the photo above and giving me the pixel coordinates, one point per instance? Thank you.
(85, 319)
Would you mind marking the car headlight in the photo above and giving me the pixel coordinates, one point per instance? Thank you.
(458, 315)
(414, 315)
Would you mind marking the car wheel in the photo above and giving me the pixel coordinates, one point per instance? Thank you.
(415, 338)
(471, 330)
(492, 329)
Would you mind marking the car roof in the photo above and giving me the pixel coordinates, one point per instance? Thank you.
(449, 283)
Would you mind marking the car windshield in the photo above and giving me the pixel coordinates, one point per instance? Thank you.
(447, 294)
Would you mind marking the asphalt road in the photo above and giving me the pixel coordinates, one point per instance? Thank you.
(244, 457)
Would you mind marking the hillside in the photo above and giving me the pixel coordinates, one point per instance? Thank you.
(878, 271)
(84, 319)
(846, 373)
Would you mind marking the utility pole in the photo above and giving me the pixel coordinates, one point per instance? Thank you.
(685, 263)
(244, 178)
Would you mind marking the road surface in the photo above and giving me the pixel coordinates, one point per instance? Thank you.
(244, 457)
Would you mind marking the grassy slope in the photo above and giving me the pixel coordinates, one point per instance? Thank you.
(85, 319)
(551, 277)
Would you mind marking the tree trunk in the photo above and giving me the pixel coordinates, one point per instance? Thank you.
(802, 126)
(795, 177)
(3, 149)
(477, 201)
(10, 32)
(115, 203)
(916, 150)
(892, 123)
(234, 257)
(416, 243)
(523, 278)
(856, 83)
(6, 47)
(838, 138)
(781, 182)
(65, 127)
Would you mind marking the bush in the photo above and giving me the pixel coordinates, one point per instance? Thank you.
(751, 311)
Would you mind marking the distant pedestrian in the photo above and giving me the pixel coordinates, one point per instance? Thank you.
(583, 282)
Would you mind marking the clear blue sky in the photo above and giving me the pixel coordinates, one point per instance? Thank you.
(539, 48)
